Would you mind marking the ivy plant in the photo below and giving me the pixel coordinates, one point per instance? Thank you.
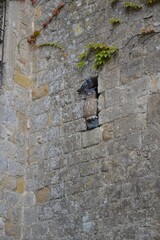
(102, 53)
(132, 6)
(114, 21)
(50, 44)
(151, 2)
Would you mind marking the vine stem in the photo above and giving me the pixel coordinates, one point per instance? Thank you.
(137, 35)
(19, 44)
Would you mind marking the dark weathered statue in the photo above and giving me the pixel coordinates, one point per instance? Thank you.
(91, 82)
(89, 88)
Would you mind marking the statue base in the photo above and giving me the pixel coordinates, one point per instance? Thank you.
(92, 123)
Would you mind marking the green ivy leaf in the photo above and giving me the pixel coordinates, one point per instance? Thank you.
(81, 64)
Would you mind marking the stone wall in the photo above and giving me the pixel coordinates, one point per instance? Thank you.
(14, 106)
(60, 181)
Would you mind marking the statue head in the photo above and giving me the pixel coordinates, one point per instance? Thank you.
(89, 83)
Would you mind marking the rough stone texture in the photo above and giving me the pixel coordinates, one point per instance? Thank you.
(57, 180)
(20, 185)
(43, 195)
(14, 102)
(40, 92)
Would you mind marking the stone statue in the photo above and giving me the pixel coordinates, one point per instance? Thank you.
(89, 88)
(91, 82)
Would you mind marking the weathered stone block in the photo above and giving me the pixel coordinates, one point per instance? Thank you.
(113, 171)
(133, 140)
(71, 174)
(20, 185)
(23, 80)
(46, 213)
(23, 122)
(108, 79)
(27, 232)
(16, 213)
(31, 171)
(29, 199)
(40, 106)
(71, 143)
(89, 168)
(36, 153)
(98, 151)
(39, 122)
(115, 97)
(54, 149)
(50, 134)
(153, 114)
(57, 163)
(138, 88)
(12, 229)
(142, 104)
(55, 178)
(74, 187)
(72, 112)
(92, 182)
(107, 131)
(132, 70)
(101, 102)
(125, 126)
(3, 164)
(18, 138)
(39, 230)
(2, 224)
(38, 12)
(55, 117)
(40, 92)
(57, 191)
(74, 157)
(129, 108)
(141, 121)
(73, 126)
(91, 137)
(16, 167)
(110, 114)
(8, 117)
(43, 195)
(8, 182)
(30, 215)
(21, 104)
(66, 97)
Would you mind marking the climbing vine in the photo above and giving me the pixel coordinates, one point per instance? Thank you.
(132, 6)
(32, 1)
(114, 21)
(151, 2)
(33, 37)
(50, 44)
(101, 52)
